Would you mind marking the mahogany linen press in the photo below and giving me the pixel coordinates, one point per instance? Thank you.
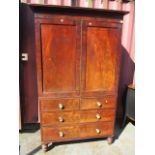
(77, 54)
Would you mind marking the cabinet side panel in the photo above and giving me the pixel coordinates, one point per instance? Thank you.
(28, 80)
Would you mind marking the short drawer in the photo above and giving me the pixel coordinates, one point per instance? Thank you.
(98, 103)
(59, 104)
(60, 134)
(59, 118)
(96, 129)
(97, 115)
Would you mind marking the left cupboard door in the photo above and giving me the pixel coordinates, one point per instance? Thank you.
(58, 57)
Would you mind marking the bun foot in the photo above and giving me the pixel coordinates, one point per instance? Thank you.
(110, 140)
(44, 147)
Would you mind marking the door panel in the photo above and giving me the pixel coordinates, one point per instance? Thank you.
(60, 57)
(100, 49)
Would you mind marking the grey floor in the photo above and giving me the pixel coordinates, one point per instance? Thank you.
(124, 145)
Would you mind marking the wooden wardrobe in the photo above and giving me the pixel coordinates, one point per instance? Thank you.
(77, 53)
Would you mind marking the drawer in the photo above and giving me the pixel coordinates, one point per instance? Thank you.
(59, 104)
(96, 129)
(59, 134)
(59, 118)
(98, 103)
(97, 115)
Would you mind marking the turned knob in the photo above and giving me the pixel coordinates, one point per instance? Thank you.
(98, 131)
(98, 116)
(61, 134)
(99, 104)
(90, 23)
(106, 101)
(61, 106)
(62, 20)
(61, 119)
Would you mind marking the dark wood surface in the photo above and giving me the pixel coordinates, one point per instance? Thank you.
(99, 63)
(86, 10)
(71, 117)
(53, 105)
(78, 63)
(28, 79)
(63, 64)
(82, 131)
(98, 103)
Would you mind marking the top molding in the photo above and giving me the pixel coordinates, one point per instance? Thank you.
(77, 10)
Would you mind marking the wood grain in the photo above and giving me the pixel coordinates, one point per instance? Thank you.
(52, 118)
(52, 134)
(53, 105)
(91, 103)
(89, 130)
(78, 58)
(91, 115)
(59, 62)
(84, 131)
(74, 117)
(99, 57)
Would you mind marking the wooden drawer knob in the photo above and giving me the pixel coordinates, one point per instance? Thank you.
(90, 23)
(98, 116)
(61, 20)
(98, 131)
(99, 104)
(61, 106)
(61, 134)
(61, 119)
(106, 101)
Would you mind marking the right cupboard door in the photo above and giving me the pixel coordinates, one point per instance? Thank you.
(100, 57)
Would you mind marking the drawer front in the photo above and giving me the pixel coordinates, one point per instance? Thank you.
(98, 103)
(59, 118)
(97, 115)
(96, 129)
(59, 104)
(77, 131)
(60, 134)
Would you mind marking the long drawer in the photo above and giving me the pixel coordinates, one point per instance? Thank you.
(98, 103)
(77, 131)
(59, 118)
(59, 104)
(65, 118)
(75, 104)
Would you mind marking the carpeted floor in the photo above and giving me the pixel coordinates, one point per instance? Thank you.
(124, 145)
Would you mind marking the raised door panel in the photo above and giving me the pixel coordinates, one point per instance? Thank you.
(60, 54)
(101, 45)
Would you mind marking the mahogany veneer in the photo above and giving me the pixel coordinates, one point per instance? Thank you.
(78, 63)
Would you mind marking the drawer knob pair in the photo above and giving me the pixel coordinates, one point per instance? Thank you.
(61, 106)
(99, 104)
(61, 134)
(98, 116)
(61, 119)
(98, 131)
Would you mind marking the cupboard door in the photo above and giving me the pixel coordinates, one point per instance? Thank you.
(60, 57)
(100, 51)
